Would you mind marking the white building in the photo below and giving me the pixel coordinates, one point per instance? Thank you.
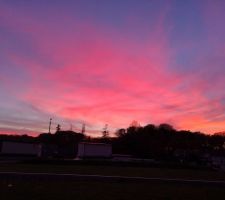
(94, 150)
(19, 148)
(218, 162)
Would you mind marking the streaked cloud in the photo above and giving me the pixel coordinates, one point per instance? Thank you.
(81, 69)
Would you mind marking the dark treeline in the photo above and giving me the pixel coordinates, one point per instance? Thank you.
(161, 142)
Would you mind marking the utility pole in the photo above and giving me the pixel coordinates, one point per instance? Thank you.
(49, 128)
(83, 129)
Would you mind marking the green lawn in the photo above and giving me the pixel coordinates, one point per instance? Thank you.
(105, 191)
(85, 190)
(116, 170)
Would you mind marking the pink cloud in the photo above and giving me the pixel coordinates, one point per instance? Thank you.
(86, 73)
(10, 131)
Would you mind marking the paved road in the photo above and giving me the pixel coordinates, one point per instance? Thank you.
(80, 177)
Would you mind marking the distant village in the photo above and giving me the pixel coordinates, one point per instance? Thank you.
(148, 145)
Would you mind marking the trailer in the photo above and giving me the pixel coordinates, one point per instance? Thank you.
(20, 149)
(94, 150)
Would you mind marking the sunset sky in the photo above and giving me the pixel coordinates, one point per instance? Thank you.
(111, 62)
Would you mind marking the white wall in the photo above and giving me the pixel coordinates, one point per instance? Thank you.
(94, 150)
(20, 148)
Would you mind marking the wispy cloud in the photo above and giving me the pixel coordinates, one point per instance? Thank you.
(83, 70)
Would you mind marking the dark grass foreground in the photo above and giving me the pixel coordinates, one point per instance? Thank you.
(115, 171)
(37, 190)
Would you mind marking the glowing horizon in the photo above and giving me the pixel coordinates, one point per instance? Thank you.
(112, 62)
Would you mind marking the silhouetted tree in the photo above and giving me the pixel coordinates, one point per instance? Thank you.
(58, 128)
(105, 132)
(120, 132)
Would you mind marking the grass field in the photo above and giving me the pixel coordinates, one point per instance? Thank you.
(116, 171)
(85, 190)
(105, 191)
